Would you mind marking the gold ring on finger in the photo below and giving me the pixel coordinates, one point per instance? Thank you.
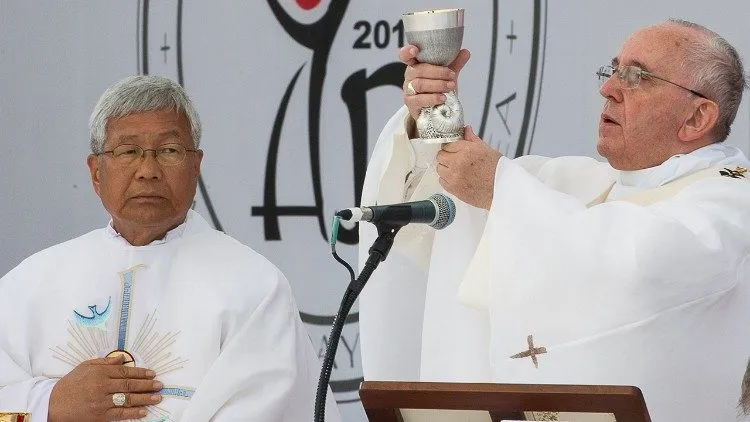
(410, 89)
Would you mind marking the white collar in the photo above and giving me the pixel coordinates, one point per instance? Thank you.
(677, 166)
(171, 235)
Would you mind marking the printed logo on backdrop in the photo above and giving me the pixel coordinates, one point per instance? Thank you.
(349, 76)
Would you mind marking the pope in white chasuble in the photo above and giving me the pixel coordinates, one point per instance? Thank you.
(570, 270)
(157, 317)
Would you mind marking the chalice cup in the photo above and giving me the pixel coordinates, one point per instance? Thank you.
(438, 34)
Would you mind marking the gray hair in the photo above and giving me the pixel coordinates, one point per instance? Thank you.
(744, 403)
(717, 73)
(137, 94)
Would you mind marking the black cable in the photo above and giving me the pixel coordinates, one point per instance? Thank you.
(378, 252)
(342, 262)
(352, 292)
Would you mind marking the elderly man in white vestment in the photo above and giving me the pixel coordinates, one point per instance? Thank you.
(569, 270)
(156, 317)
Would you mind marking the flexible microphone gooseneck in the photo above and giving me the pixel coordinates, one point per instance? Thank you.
(391, 219)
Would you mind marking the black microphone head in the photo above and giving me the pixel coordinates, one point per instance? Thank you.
(345, 214)
(446, 211)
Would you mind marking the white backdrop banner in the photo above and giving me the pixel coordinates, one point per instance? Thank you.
(292, 95)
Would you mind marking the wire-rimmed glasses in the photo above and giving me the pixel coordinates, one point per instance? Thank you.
(631, 77)
(167, 154)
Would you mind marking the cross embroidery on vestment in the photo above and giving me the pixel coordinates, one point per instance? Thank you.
(532, 352)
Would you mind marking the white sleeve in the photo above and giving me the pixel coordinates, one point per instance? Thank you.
(31, 395)
(628, 258)
(392, 304)
(264, 371)
(19, 390)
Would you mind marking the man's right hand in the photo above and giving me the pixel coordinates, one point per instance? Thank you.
(85, 393)
(429, 81)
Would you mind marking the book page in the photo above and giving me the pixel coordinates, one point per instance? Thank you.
(432, 415)
(569, 417)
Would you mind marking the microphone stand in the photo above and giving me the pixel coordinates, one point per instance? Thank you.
(378, 252)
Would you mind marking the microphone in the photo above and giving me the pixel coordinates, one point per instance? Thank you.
(438, 211)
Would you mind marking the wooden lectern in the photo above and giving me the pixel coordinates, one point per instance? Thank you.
(389, 401)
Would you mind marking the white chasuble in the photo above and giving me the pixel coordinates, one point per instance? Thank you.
(578, 274)
(215, 320)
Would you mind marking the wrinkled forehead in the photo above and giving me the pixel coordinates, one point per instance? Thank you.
(659, 49)
(161, 124)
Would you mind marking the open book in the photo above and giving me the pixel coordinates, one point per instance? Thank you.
(432, 415)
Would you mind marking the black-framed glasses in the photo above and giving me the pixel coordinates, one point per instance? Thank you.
(167, 154)
(631, 77)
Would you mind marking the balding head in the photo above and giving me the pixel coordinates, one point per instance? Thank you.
(715, 69)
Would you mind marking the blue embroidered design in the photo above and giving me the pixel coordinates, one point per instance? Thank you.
(89, 338)
(177, 392)
(127, 288)
(97, 319)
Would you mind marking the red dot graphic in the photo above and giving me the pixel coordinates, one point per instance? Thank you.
(308, 4)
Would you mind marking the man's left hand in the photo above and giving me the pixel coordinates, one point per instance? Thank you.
(467, 169)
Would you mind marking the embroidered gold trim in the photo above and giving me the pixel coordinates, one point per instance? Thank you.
(15, 417)
(737, 173)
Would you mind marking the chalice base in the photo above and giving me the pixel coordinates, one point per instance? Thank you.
(442, 123)
(430, 141)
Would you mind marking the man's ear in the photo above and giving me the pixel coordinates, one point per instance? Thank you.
(701, 123)
(197, 162)
(93, 163)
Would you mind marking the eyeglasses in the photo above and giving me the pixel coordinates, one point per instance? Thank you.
(631, 77)
(167, 154)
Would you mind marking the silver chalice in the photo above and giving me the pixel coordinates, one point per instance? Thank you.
(438, 34)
